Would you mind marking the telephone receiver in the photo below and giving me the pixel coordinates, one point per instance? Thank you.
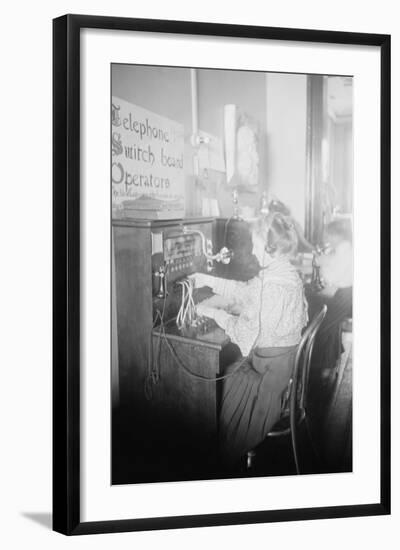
(161, 274)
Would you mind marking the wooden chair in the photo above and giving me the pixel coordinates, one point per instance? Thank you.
(294, 406)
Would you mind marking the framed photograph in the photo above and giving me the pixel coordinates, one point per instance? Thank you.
(221, 274)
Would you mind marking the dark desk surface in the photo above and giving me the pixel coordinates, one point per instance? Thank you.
(211, 337)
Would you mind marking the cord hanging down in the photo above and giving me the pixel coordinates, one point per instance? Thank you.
(187, 312)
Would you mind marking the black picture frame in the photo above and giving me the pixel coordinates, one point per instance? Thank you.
(66, 273)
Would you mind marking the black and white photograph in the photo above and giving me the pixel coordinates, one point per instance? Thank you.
(231, 215)
(199, 260)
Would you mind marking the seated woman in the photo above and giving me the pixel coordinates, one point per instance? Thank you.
(264, 317)
(337, 265)
(337, 275)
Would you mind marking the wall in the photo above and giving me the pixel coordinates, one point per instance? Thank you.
(342, 165)
(286, 140)
(165, 91)
(246, 89)
(277, 103)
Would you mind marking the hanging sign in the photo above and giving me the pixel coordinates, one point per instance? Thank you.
(147, 152)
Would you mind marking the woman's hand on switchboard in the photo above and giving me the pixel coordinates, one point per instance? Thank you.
(206, 311)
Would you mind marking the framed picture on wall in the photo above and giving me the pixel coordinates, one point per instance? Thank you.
(215, 228)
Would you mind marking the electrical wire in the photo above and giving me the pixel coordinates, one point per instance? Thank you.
(153, 374)
(187, 311)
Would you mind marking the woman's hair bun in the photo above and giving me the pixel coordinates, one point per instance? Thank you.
(285, 221)
(281, 235)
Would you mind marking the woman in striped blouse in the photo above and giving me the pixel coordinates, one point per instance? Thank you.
(264, 317)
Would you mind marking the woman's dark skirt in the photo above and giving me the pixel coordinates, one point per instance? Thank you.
(252, 399)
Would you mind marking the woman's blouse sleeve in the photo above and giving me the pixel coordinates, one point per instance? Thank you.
(226, 287)
(242, 330)
(282, 316)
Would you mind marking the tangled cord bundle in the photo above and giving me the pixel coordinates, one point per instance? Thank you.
(187, 312)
